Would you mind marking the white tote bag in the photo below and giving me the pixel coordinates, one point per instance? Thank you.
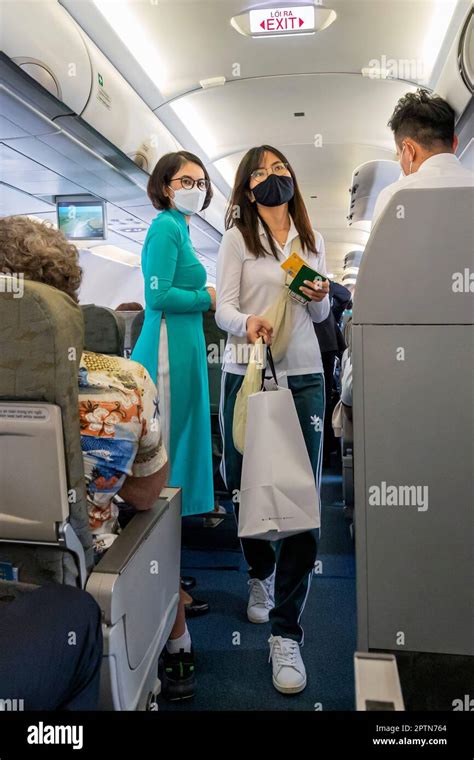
(278, 495)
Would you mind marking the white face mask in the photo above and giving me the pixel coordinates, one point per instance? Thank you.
(189, 201)
(400, 160)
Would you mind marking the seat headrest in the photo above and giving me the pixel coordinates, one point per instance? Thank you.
(42, 330)
(104, 330)
(41, 343)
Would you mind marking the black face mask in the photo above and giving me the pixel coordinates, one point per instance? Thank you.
(274, 191)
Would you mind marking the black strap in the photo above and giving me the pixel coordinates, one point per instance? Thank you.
(271, 365)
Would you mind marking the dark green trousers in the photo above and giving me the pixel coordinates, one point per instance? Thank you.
(293, 558)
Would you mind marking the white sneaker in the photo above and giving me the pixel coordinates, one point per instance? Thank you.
(261, 599)
(289, 674)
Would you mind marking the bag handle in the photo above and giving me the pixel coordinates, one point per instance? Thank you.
(272, 368)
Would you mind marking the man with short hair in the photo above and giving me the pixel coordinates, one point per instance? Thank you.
(423, 128)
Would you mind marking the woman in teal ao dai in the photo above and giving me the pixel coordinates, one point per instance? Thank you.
(171, 345)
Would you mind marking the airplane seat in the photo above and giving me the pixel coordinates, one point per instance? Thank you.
(413, 407)
(214, 336)
(347, 445)
(215, 342)
(104, 330)
(44, 530)
(128, 318)
(43, 519)
(347, 440)
(136, 328)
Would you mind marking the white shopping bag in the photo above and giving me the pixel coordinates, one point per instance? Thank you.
(278, 495)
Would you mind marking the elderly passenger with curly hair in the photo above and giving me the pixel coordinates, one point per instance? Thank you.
(117, 399)
(118, 404)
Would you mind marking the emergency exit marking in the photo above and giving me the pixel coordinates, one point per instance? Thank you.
(282, 20)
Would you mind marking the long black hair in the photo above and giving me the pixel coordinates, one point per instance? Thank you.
(243, 214)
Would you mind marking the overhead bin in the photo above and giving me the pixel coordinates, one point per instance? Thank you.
(46, 43)
(53, 50)
(90, 101)
(368, 180)
(456, 81)
(116, 111)
(17, 118)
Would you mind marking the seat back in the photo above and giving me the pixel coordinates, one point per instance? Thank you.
(43, 516)
(104, 330)
(413, 406)
(128, 318)
(215, 344)
(136, 328)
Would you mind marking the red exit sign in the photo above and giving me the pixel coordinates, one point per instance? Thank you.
(282, 20)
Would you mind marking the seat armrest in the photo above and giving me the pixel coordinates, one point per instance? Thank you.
(137, 589)
(125, 568)
(347, 430)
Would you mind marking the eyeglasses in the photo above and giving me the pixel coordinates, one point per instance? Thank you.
(188, 182)
(260, 174)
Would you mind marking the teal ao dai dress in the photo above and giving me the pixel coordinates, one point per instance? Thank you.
(172, 348)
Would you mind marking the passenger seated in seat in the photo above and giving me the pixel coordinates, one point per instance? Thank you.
(128, 313)
(40, 663)
(118, 407)
(132, 306)
(124, 456)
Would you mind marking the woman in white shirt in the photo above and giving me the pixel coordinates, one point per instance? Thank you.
(267, 221)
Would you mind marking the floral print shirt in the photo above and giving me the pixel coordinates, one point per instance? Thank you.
(120, 431)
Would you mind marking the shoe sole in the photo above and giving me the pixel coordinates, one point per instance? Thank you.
(289, 689)
(178, 699)
(188, 586)
(195, 613)
(176, 693)
(213, 522)
(259, 621)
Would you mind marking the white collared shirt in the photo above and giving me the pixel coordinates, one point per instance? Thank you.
(441, 170)
(248, 285)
